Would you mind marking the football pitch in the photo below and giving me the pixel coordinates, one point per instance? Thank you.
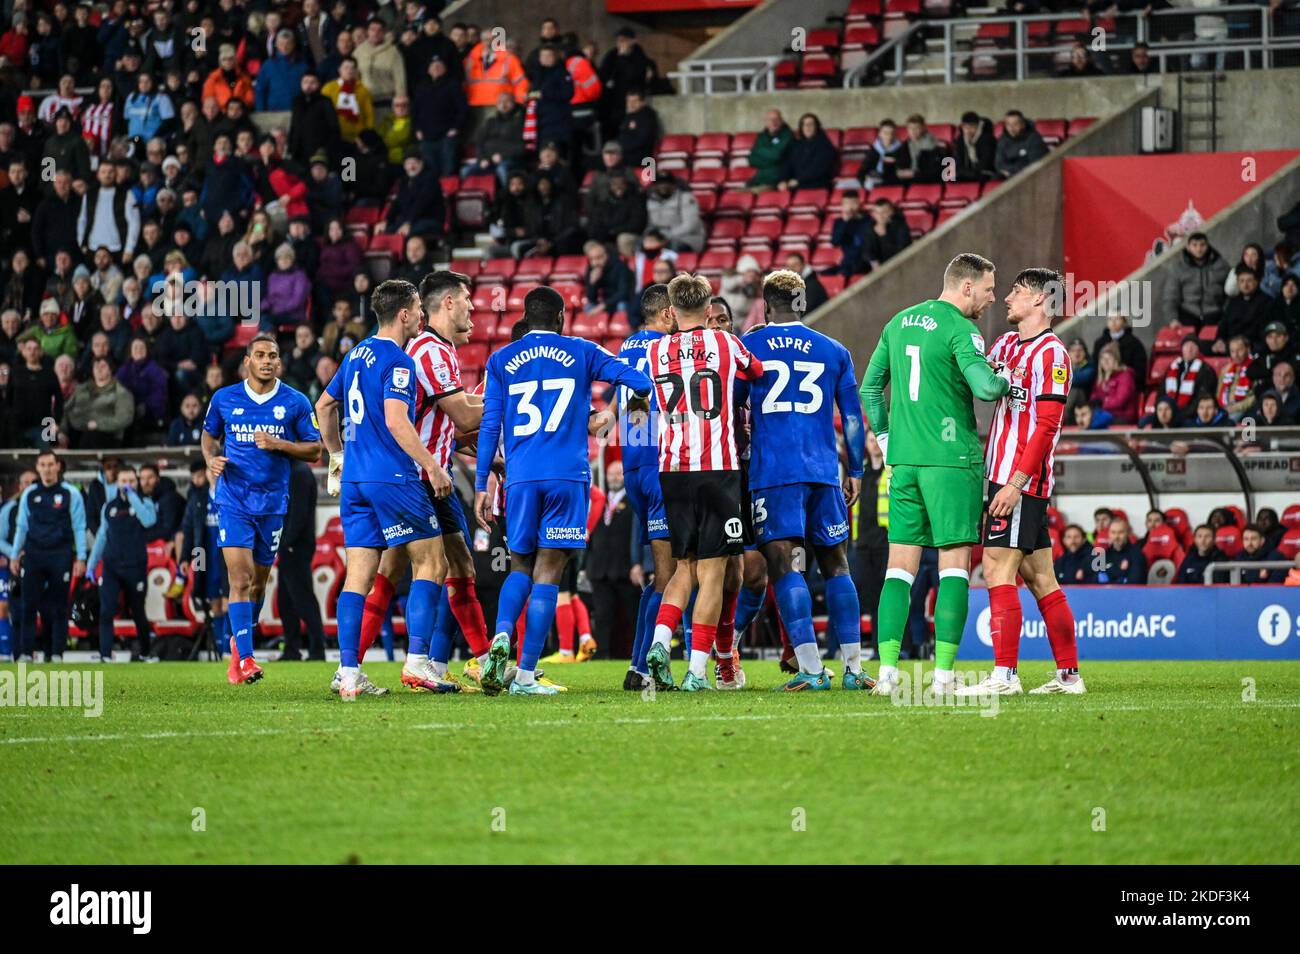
(1162, 762)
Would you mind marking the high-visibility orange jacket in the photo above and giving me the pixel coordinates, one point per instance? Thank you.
(502, 73)
(586, 81)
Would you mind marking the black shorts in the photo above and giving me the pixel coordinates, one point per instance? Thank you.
(1025, 529)
(704, 513)
(448, 510)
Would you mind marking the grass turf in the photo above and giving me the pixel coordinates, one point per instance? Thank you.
(1183, 769)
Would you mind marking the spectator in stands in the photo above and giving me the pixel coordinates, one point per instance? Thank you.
(54, 335)
(182, 352)
(66, 149)
(976, 149)
(624, 69)
(663, 272)
(1164, 417)
(889, 233)
(742, 287)
(1081, 62)
(1244, 313)
(1277, 347)
(921, 159)
(1270, 411)
(316, 32)
(36, 398)
(815, 294)
(99, 411)
(1193, 293)
(351, 99)
(550, 163)
(613, 167)
(97, 349)
(438, 112)
(397, 134)
(508, 219)
(618, 219)
(1116, 390)
(1253, 550)
(1235, 390)
(300, 367)
(609, 281)
(147, 381)
(65, 369)
(288, 291)
(110, 216)
(415, 262)
(117, 331)
(280, 77)
(652, 252)
(616, 576)
(341, 332)
(551, 87)
(1203, 552)
(639, 130)
(812, 160)
(227, 184)
(313, 122)
(1139, 61)
(228, 80)
(1281, 263)
(18, 203)
(418, 208)
(490, 72)
(1154, 518)
(880, 167)
(1122, 559)
(325, 196)
(675, 212)
(344, 45)
(340, 259)
(1076, 564)
(24, 285)
(161, 491)
(1270, 526)
(1252, 256)
(1020, 145)
(1131, 351)
(767, 157)
(851, 234)
(500, 141)
(1284, 388)
(1284, 310)
(551, 220)
(11, 324)
(1208, 413)
(1189, 375)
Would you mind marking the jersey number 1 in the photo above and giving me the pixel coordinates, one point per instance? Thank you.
(914, 379)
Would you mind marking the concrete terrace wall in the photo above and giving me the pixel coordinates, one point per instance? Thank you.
(1257, 110)
(765, 30)
(1017, 226)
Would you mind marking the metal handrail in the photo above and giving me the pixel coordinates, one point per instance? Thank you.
(895, 45)
(1234, 569)
(750, 74)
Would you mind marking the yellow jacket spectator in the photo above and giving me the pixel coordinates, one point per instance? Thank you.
(396, 131)
(352, 102)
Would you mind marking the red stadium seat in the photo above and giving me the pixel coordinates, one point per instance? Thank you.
(535, 269)
(1291, 516)
(387, 243)
(518, 291)
(498, 270)
(1290, 543)
(1079, 125)
(1209, 332)
(575, 294)
(485, 325)
(706, 180)
(803, 226)
(957, 195)
(894, 193)
(707, 201)
(858, 139)
(1169, 340)
(1238, 515)
(919, 221)
(679, 146)
(826, 256)
(822, 40)
(712, 145)
(738, 175)
(489, 298)
(1052, 130)
(1228, 539)
(834, 284)
(944, 132)
(362, 215)
(726, 233)
(1162, 544)
(771, 203)
(1176, 517)
(589, 326)
(742, 142)
(716, 261)
(861, 9)
(808, 201)
(569, 268)
(686, 261)
(922, 196)
(473, 356)
(760, 232)
(946, 214)
(1159, 365)
(619, 325)
(734, 204)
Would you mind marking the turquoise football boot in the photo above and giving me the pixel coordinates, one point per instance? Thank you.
(805, 681)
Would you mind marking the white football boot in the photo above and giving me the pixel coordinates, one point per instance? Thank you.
(992, 686)
(1074, 687)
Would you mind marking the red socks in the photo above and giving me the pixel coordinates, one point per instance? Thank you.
(727, 621)
(564, 625)
(1004, 623)
(376, 609)
(581, 618)
(702, 637)
(669, 615)
(463, 598)
(1060, 629)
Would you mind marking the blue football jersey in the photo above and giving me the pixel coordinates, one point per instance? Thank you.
(639, 436)
(257, 481)
(372, 372)
(806, 375)
(536, 397)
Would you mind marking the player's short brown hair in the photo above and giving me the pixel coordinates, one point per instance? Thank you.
(391, 297)
(1044, 281)
(265, 336)
(966, 266)
(785, 292)
(653, 300)
(690, 293)
(439, 283)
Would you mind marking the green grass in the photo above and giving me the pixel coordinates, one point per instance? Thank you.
(1184, 769)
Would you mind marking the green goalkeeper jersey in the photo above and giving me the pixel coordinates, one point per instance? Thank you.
(934, 357)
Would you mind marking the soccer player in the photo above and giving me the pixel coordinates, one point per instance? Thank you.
(251, 432)
(8, 532)
(639, 435)
(375, 463)
(443, 409)
(536, 399)
(1018, 463)
(794, 474)
(695, 372)
(934, 355)
(49, 553)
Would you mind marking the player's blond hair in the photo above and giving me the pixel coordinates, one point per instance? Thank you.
(785, 291)
(966, 267)
(690, 294)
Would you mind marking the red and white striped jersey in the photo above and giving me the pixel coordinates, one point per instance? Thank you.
(695, 376)
(437, 369)
(1039, 367)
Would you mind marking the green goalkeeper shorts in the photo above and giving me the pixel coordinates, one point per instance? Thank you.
(935, 506)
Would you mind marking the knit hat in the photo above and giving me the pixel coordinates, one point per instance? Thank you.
(50, 305)
(747, 263)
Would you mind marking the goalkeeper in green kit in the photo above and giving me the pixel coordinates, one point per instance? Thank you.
(934, 356)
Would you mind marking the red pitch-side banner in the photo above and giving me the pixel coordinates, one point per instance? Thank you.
(1121, 211)
(655, 6)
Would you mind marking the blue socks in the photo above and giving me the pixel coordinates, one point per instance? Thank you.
(748, 603)
(348, 612)
(444, 630)
(640, 623)
(541, 614)
(845, 613)
(241, 626)
(651, 614)
(6, 637)
(421, 611)
(220, 634)
(795, 603)
(514, 594)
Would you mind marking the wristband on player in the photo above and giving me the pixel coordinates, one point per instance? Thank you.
(1018, 480)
